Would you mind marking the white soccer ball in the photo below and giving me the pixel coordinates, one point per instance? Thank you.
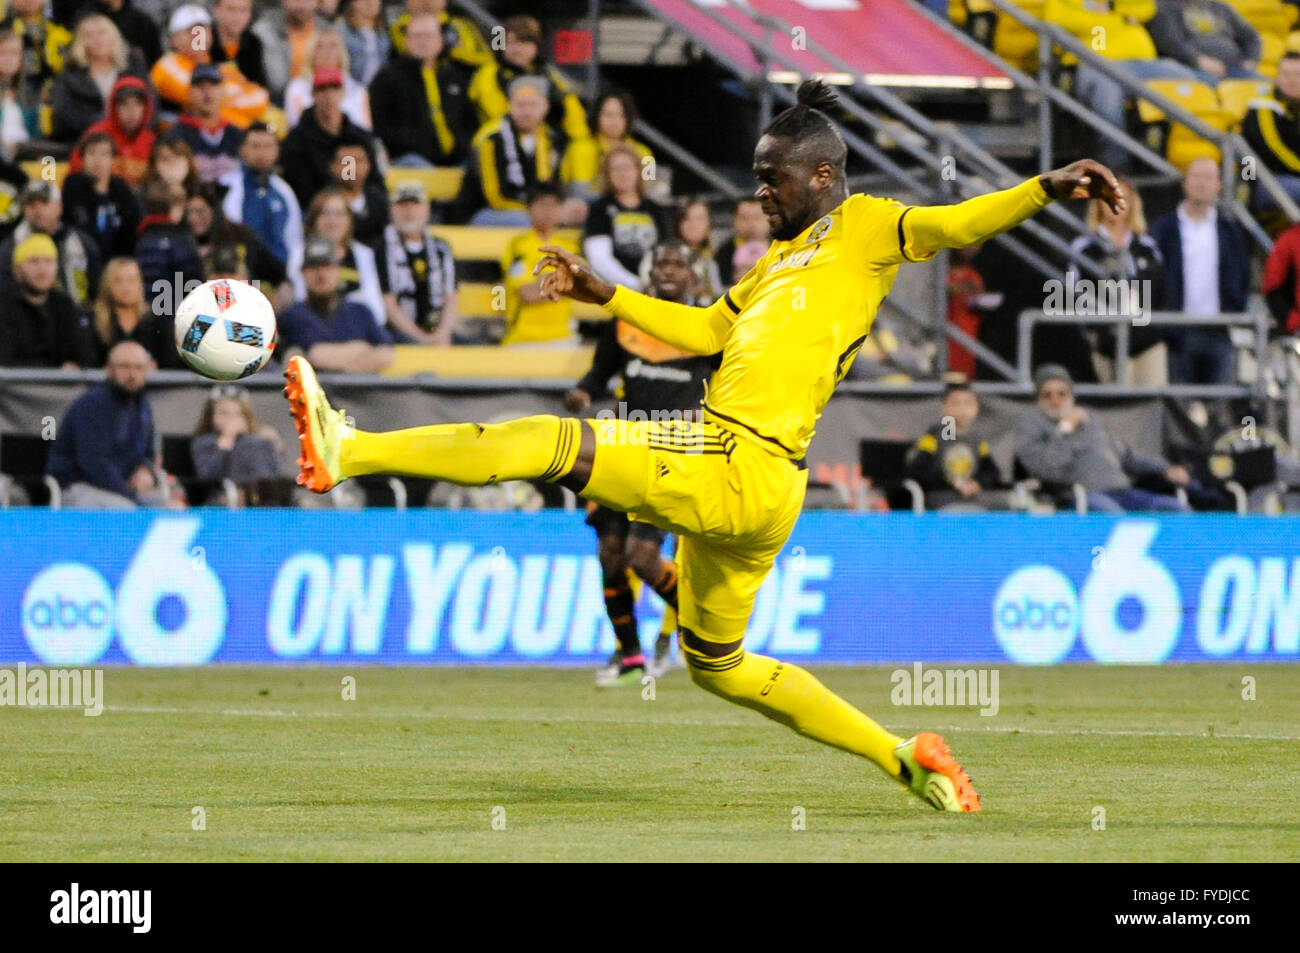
(225, 329)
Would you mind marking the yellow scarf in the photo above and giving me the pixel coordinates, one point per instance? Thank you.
(445, 138)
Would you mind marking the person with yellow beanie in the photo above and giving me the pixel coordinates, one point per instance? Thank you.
(39, 324)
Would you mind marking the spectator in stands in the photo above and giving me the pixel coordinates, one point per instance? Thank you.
(45, 43)
(166, 250)
(612, 116)
(1207, 272)
(1131, 263)
(260, 199)
(461, 39)
(129, 117)
(366, 200)
(417, 273)
(1210, 37)
(40, 326)
(749, 227)
(508, 158)
(285, 30)
(522, 57)
(190, 32)
(211, 137)
(139, 31)
(121, 313)
(951, 461)
(172, 161)
(103, 454)
(234, 41)
(228, 444)
(79, 261)
(308, 150)
(692, 225)
(366, 36)
(531, 317)
(251, 259)
(623, 225)
(1062, 444)
(19, 120)
(420, 107)
(1126, 40)
(99, 203)
(328, 217)
(967, 300)
(97, 59)
(327, 52)
(1272, 128)
(334, 332)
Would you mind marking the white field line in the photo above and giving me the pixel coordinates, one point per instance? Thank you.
(454, 714)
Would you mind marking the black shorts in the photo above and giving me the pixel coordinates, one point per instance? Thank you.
(607, 522)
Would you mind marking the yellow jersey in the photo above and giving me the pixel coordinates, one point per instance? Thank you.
(791, 327)
(544, 320)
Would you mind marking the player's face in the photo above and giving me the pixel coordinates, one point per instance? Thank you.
(785, 190)
(671, 274)
(962, 407)
(1055, 398)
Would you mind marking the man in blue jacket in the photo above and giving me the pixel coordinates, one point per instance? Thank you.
(1207, 271)
(103, 453)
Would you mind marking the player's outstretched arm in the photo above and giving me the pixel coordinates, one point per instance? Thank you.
(699, 330)
(930, 228)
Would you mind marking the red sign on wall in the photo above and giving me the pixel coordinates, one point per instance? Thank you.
(572, 46)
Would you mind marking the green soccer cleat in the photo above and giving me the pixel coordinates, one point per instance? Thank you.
(321, 428)
(933, 774)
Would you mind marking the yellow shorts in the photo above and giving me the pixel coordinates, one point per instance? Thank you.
(731, 503)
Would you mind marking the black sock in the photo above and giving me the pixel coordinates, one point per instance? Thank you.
(621, 608)
(666, 585)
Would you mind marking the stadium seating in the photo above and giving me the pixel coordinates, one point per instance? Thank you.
(35, 169)
(1181, 144)
(1237, 96)
(884, 463)
(441, 183)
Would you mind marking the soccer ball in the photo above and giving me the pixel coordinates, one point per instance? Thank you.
(225, 329)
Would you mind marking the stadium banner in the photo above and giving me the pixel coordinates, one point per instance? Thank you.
(454, 587)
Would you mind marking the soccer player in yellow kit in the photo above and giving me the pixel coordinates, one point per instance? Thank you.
(730, 485)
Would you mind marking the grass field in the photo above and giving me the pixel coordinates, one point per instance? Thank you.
(413, 769)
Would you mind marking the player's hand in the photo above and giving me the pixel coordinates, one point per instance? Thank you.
(576, 401)
(571, 278)
(1083, 180)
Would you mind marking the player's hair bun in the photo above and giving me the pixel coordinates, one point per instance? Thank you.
(816, 94)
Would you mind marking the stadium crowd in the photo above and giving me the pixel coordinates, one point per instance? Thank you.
(148, 145)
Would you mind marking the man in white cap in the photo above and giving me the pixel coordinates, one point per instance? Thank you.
(190, 35)
(416, 272)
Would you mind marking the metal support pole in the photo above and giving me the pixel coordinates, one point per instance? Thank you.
(593, 67)
(1044, 105)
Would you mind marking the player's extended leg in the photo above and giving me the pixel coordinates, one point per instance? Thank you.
(716, 595)
(542, 447)
(628, 664)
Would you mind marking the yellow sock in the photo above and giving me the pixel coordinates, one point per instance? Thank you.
(790, 695)
(540, 447)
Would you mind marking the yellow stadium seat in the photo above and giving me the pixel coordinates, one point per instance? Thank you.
(1236, 95)
(441, 182)
(484, 243)
(279, 122)
(1017, 44)
(1183, 145)
(478, 300)
(470, 361)
(35, 169)
(1271, 49)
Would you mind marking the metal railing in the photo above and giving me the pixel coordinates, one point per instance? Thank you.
(1230, 144)
(1123, 323)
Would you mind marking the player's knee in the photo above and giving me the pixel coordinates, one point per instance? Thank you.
(643, 559)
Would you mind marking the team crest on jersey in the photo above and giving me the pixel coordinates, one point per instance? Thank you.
(819, 230)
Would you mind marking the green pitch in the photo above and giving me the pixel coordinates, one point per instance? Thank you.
(431, 764)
